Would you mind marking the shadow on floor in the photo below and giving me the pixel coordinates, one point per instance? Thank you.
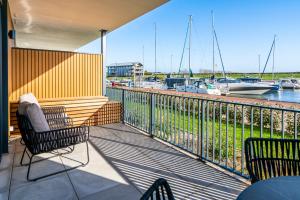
(141, 160)
(97, 180)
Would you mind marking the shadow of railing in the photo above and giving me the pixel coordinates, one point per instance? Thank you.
(84, 182)
(141, 160)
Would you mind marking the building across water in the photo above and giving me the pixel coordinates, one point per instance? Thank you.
(129, 69)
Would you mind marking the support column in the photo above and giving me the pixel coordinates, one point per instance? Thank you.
(4, 79)
(103, 52)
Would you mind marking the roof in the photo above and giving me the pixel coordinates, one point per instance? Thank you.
(125, 64)
(70, 24)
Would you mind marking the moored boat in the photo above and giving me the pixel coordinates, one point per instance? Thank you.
(275, 87)
(234, 86)
(286, 84)
(200, 87)
(296, 83)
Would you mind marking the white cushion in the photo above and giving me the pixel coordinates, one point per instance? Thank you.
(30, 98)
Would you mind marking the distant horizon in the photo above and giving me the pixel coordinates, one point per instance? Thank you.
(245, 30)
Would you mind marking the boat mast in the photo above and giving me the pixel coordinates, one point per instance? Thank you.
(213, 41)
(143, 55)
(155, 49)
(190, 42)
(171, 63)
(258, 64)
(269, 55)
(220, 54)
(273, 67)
(184, 45)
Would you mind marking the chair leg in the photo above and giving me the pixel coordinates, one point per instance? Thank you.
(72, 148)
(87, 153)
(82, 164)
(22, 142)
(67, 150)
(21, 162)
(61, 171)
(29, 166)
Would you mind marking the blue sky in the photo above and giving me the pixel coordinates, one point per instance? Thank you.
(245, 29)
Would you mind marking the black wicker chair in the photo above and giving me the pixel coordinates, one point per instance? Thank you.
(160, 189)
(61, 136)
(267, 158)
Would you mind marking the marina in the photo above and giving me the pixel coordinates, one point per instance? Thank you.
(266, 90)
(288, 95)
(140, 100)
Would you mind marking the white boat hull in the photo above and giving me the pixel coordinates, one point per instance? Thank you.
(297, 86)
(249, 92)
(193, 89)
(245, 88)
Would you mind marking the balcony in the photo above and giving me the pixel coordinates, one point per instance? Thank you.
(124, 162)
(195, 143)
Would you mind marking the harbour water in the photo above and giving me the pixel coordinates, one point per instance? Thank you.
(282, 95)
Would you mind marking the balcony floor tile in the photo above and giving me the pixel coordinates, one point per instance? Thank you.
(123, 164)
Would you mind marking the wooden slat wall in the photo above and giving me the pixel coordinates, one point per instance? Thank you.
(55, 74)
(83, 110)
(57, 78)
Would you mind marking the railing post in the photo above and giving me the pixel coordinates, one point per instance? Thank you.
(202, 128)
(123, 106)
(151, 113)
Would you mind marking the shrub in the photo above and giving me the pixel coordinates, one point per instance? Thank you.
(289, 119)
(266, 117)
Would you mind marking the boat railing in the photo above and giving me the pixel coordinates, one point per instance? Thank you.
(214, 130)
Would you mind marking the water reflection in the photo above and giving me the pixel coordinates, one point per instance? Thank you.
(283, 95)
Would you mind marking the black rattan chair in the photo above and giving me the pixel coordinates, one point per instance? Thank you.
(61, 136)
(57, 118)
(160, 189)
(267, 158)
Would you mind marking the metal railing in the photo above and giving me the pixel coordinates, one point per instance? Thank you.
(214, 130)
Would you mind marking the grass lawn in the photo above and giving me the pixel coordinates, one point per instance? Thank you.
(183, 129)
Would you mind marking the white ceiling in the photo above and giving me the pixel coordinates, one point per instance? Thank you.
(70, 24)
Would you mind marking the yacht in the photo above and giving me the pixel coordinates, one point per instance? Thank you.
(152, 83)
(275, 86)
(296, 83)
(235, 86)
(286, 84)
(199, 86)
(172, 83)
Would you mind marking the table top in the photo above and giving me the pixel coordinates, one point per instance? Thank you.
(284, 187)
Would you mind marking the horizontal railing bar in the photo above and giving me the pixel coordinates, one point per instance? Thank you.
(193, 123)
(218, 101)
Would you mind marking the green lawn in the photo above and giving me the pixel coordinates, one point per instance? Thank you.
(182, 129)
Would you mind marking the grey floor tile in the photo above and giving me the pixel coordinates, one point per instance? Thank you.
(54, 188)
(87, 183)
(124, 192)
(4, 195)
(41, 168)
(142, 160)
(123, 165)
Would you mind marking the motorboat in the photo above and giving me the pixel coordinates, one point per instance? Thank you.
(200, 87)
(275, 86)
(152, 85)
(296, 82)
(286, 84)
(172, 83)
(235, 86)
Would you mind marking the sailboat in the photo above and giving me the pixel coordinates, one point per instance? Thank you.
(275, 87)
(190, 84)
(235, 86)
